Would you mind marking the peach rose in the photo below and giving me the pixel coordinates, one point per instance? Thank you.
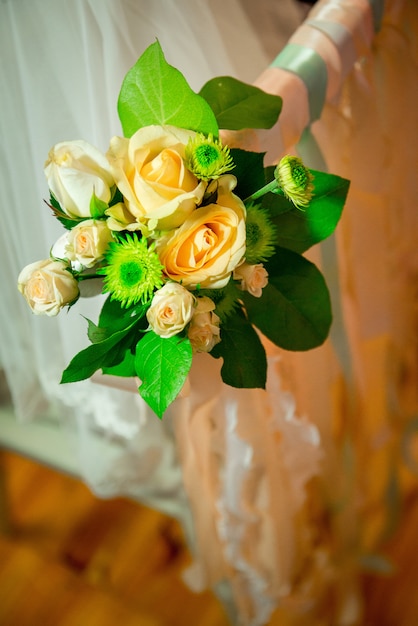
(47, 286)
(203, 330)
(210, 244)
(158, 190)
(75, 171)
(171, 310)
(253, 278)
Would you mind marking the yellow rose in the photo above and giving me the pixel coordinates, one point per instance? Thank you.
(119, 218)
(210, 244)
(253, 278)
(75, 171)
(88, 242)
(171, 310)
(203, 330)
(47, 286)
(158, 190)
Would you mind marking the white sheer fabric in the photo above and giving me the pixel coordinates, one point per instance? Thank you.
(61, 67)
(234, 465)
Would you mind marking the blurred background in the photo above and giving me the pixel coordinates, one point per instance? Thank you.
(96, 524)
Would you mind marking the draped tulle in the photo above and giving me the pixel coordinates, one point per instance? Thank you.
(61, 68)
(285, 493)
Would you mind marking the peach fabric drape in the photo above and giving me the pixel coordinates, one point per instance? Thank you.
(294, 491)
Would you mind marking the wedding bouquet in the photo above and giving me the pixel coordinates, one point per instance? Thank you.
(198, 245)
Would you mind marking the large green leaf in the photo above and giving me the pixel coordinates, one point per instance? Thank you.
(244, 358)
(295, 310)
(249, 171)
(112, 311)
(126, 368)
(114, 317)
(154, 92)
(238, 105)
(162, 364)
(96, 334)
(105, 353)
(299, 230)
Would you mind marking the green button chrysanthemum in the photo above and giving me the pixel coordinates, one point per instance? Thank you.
(261, 235)
(133, 270)
(207, 158)
(295, 180)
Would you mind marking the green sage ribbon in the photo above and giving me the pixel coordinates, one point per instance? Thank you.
(311, 68)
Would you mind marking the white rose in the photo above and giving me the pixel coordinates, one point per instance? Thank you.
(149, 170)
(171, 310)
(203, 331)
(253, 278)
(75, 171)
(47, 286)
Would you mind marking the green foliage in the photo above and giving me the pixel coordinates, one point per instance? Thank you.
(112, 340)
(244, 358)
(67, 221)
(105, 353)
(299, 230)
(97, 207)
(154, 92)
(295, 310)
(162, 364)
(125, 369)
(238, 105)
(248, 170)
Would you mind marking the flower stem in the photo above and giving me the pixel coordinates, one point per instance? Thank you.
(270, 187)
(88, 276)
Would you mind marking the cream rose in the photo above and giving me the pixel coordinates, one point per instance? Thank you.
(88, 242)
(47, 286)
(75, 171)
(203, 330)
(171, 310)
(210, 244)
(158, 190)
(253, 278)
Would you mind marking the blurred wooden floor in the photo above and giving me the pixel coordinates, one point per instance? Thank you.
(69, 559)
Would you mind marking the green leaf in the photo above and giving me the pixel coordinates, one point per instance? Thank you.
(276, 205)
(95, 333)
(97, 207)
(244, 358)
(162, 364)
(154, 92)
(249, 171)
(67, 221)
(116, 196)
(114, 317)
(294, 311)
(126, 368)
(238, 105)
(101, 354)
(111, 311)
(299, 230)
